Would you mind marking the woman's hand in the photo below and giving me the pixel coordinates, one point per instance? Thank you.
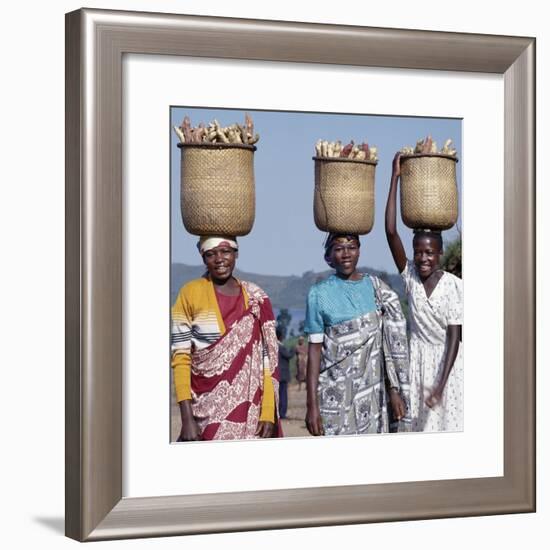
(396, 165)
(189, 430)
(434, 397)
(397, 404)
(265, 429)
(314, 423)
(453, 338)
(189, 427)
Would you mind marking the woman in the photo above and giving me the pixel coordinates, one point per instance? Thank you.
(224, 352)
(357, 354)
(435, 310)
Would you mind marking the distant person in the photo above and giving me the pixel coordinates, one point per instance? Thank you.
(357, 354)
(301, 361)
(435, 311)
(224, 352)
(284, 372)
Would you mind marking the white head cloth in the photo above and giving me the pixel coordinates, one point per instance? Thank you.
(208, 243)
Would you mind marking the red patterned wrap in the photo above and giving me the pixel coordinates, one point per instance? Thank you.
(227, 377)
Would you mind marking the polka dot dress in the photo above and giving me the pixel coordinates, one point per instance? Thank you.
(429, 318)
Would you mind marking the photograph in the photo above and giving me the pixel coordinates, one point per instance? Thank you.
(290, 259)
(183, 309)
(316, 274)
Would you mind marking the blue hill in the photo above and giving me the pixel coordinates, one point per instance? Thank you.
(284, 291)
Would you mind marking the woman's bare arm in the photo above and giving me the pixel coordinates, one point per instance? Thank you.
(313, 415)
(454, 336)
(396, 245)
(189, 427)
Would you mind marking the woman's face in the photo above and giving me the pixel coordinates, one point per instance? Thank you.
(220, 262)
(426, 256)
(344, 257)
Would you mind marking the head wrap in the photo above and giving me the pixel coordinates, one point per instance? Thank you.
(334, 238)
(209, 242)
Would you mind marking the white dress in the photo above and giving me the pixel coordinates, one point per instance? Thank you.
(429, 318)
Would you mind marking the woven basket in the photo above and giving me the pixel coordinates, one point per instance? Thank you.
(429, 197)
(343, 201)
(217, 188)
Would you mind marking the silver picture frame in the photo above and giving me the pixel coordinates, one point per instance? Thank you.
(96, 41)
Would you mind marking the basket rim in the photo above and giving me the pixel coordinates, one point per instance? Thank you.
(420, 155)
(344, 159)
(247, 146)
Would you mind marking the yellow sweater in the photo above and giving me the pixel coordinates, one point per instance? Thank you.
(196, 324)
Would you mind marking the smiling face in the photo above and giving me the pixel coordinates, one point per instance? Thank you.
(343, 256)
(220, 262)
(427, 254)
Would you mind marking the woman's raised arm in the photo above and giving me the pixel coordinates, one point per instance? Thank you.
(396, 246)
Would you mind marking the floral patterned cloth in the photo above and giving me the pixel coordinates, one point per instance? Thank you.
(227, 376)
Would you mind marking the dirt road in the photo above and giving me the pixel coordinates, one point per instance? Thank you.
(294, 425)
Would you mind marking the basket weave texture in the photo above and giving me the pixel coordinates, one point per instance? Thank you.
(343, 200)
(217, 188)
(429, 196)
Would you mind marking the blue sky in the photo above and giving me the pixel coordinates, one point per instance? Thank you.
(284, 239)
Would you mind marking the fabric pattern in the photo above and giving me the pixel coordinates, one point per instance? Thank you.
(196, 318)
(227, 377)
(198, 324)
(334, 301)
(361, 358)
(429, 318)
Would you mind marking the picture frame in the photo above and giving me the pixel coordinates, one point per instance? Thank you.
(96, 41)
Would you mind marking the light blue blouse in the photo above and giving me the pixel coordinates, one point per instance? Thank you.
(336, 300)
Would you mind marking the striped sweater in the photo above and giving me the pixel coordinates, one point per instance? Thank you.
(196, 324)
